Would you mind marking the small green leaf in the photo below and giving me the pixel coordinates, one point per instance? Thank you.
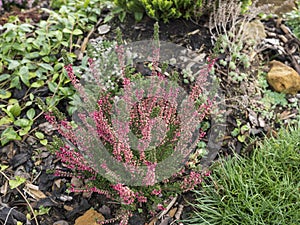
(21, 122)
(46, 66)
(4, 94)
(77, 32)
(24, 74)
(14, 109)
(244, 128)
(13, 64)
(44, 142)
(138, 16)
(4, 77)
(3, 167)
(25, 130)
(32, 55)
(17, 182)
(28, 103)
(58, 66)
(9, 134)
(66, 30)
(37, 84)
(52, 86)
(242, 138)
(46, 50)
(39, 135)
(235, 132)
(5, 120)
(59, 35)
(31, 96)
(30, 113)
(15, 82)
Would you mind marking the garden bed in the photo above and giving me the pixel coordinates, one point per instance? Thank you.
(253, 111)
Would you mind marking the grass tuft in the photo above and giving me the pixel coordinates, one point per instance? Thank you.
(263, 189)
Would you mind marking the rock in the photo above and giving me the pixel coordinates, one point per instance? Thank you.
(283, 78)
(254, 31)
(61, 222)
(90, 217)
(103, 29)
(278, 7)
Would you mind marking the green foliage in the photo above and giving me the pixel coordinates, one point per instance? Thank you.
(241, 131)
(262, 189)
(270, 99)
(30, 59)
(226, 44)
(293, 20)
(160, 9)
(13, 183)
(166, 9)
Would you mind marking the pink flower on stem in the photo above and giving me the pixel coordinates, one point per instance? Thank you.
(125, 193)
(160, 207)
(191, 181)
(156, 192)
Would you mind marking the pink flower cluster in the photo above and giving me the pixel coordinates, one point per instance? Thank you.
(191, 181)
(74, 160)
(150, 118)
(127, 195)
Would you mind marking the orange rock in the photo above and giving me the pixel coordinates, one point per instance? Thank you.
(90, 217)
(172, 212)
(283, 78)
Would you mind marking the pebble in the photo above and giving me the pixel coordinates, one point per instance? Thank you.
(292, 100)
(61, 222)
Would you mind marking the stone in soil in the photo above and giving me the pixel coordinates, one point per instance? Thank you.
(283, 78)
(90, 217)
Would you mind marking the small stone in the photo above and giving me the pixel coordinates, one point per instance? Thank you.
(254, 31)
(283, 78)
(261, 122)
(90, 217)
(292, 100)
(172, 212)
(68, 208)
(103, 29)
(61, 222)
(76, 182)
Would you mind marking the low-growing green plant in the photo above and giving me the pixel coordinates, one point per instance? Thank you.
(241, 131)
(160, 9)
(167, 9)
(262, 189)
(270, 99)
(228, 28)
(30, 59)
(293, 20)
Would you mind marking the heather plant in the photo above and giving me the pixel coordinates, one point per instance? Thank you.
(135, 144)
